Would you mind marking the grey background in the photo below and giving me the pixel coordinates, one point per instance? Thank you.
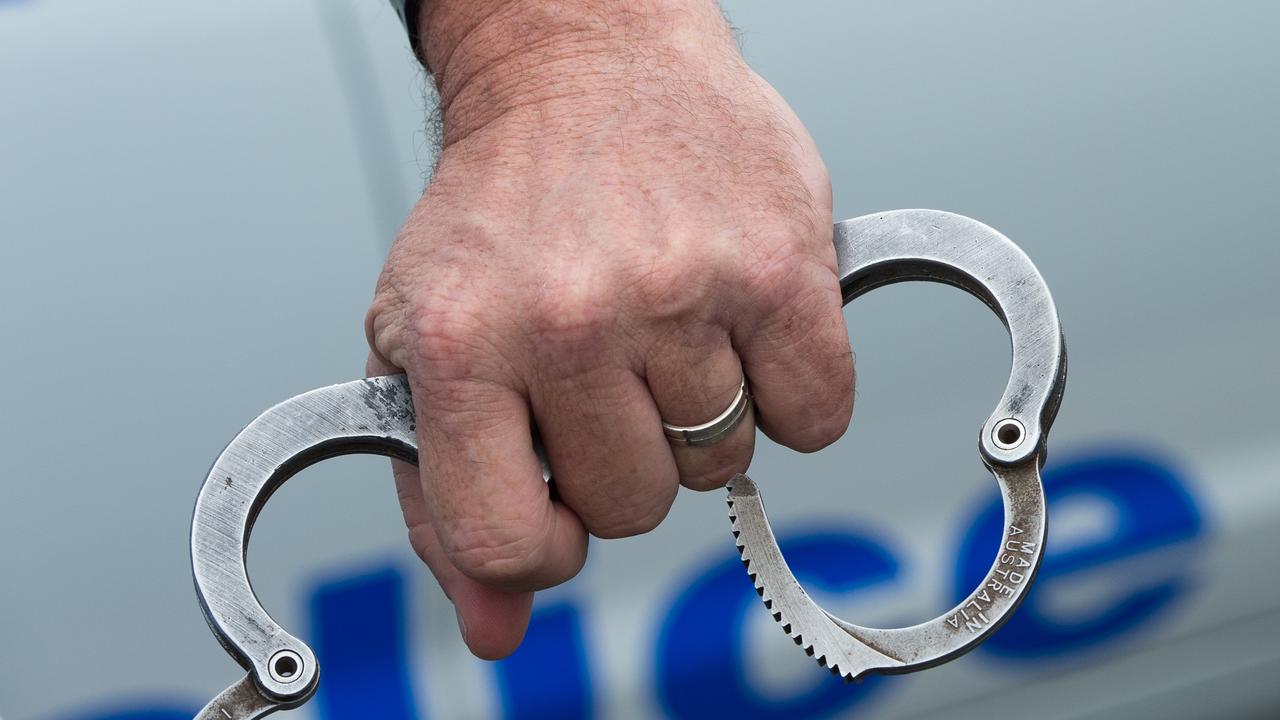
(194, 202)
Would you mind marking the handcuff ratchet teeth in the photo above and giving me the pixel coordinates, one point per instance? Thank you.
(929, 245)
(376, 416)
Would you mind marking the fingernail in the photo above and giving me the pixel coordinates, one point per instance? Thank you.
(462, 624)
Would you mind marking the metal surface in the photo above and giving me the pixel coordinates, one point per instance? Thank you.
(881, 249)
(366, 416)
(242, 701)
(715, 429)
(376, 416)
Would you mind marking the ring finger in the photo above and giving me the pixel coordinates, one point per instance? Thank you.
(693, 383)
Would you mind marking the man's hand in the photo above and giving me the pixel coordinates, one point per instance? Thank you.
(624, 221)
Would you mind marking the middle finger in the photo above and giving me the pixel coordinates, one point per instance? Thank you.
(604, 441)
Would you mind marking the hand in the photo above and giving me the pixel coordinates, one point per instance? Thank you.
(624, 220)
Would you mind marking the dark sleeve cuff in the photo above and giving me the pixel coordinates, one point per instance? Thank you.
(408, 12)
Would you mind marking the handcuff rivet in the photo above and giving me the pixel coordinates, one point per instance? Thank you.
(1008, 434)
(285, 666)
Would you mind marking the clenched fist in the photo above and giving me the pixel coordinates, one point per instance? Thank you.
(624, 222)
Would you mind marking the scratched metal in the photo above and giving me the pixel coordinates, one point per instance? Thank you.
(885, 248)
(365, 416)
(376, 416)
(241, 701)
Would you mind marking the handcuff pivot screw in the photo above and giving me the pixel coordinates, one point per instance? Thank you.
(285, 666)
(1008, 434)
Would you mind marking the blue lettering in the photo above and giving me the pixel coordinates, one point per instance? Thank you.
(359, 628)
(548, 676)
(1137, 507)
(364, 662)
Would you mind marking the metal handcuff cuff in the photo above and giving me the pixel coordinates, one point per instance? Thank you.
(376, 416)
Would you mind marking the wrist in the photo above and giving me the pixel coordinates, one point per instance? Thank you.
(493, 59)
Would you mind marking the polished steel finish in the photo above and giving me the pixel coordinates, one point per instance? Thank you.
(365, 416)
(715, 429)
(376, 416)
(930, 245)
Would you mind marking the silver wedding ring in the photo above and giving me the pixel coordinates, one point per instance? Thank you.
(716, 429)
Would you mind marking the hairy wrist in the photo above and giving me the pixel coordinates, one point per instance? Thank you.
(492, 59)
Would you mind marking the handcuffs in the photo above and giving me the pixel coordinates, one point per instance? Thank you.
(376, 416)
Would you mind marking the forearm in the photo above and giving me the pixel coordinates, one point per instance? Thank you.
(490, 57)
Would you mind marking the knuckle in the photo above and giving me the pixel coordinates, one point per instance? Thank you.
(444, 329)
(711, 467)
(776, 278)
(717, 474)
(638, 519)
(435, 337)
(710, 480)
(824, 426)
(624, 527)
(384, 322)
(807, 317)
(496, 553)
(451, 340)
(572, 314)
(672, 287)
